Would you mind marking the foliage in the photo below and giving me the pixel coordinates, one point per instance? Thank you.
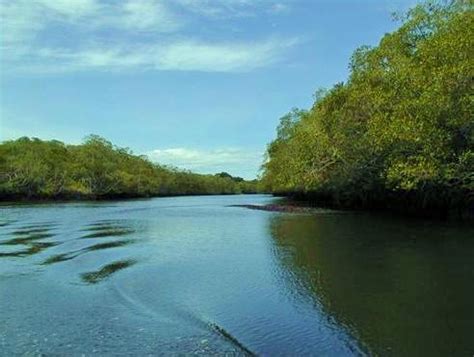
(402, 125)
(34, 168)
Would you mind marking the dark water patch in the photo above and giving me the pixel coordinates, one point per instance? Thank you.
(108, 245)
(370, 272)
(105, 222)
(108, 233)
(103, 227)
(14, 254)
(20, 232)
(287, 208)
(106, 228)
(27, 239)
(106, 271)
(39, 225)
(58, 258)
(34, 248)
(6, 223)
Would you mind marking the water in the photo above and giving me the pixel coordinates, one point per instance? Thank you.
(193, 275)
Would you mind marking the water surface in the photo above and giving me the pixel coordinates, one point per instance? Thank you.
(195, 275)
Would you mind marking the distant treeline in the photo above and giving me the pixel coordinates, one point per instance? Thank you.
(400, 132)
(33, 168)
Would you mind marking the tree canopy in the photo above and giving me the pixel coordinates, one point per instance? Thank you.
(33, 168)
(400, 126)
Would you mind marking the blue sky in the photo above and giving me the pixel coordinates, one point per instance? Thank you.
(199, 84)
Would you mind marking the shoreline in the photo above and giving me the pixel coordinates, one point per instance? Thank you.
(293, 205)
(93, 198)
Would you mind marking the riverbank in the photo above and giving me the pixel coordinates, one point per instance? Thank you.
(283, 207)
(34, 169)
(439, 205)
(397, 135)
(100, 198)
(401, 205)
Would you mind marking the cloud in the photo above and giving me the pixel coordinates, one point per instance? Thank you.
(23, 20)
(210, 161)
(143, 15)
(55, 36)
(68, 7)
(221, 8)
(278, 8)
(222, 57)
(189, 55)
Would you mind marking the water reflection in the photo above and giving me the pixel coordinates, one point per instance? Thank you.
(108, 233)
(108, 245)
(27, 239)
(37, 225)
(400, 288)
(106, 229)
(33, 248)
(106, 271)
(5, 223)
(28, 236)
(98, 229)
(57, 258)
(190, 275)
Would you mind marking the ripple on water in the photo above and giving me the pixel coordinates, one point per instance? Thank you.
(5, 223)
(109, 228)
(62, 257)
(28, 236)
(27, 239)
(36, 225)
(108, 233)
(23, 231)
(106, 271)
(108, 245)
(33, 248)
(104, 223)
(97, 229)
(58, 258)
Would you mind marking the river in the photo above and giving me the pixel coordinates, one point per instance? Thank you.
(186, 275)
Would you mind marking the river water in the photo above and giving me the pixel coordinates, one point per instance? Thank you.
(187, 275)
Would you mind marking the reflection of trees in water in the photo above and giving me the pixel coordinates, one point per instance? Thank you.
(104, 272)
(400, 287)
(29, 237)
(101, 235)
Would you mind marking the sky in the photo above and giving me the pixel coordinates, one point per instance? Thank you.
(197, 84)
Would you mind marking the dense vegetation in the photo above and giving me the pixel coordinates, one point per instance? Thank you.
(399, 132)
(33, 168)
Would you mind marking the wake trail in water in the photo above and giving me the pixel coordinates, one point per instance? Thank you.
(177, 313)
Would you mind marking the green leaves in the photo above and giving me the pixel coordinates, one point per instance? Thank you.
(33, 168)
(403, 121)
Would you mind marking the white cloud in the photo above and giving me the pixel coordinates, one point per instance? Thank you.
(18, 23)
(278, 8)
(25, 19)
(22, 20)
(221, 8)
(177, 56)
(210, 161)
(73, 8)
(226, 9)
(143, 15)
(48, 36)
(221, 57)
